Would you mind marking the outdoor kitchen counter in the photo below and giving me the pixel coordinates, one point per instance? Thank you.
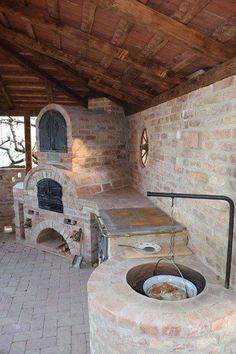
(126, 211)
(120, 198)
(124, 321)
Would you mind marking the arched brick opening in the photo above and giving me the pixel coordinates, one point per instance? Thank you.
(49, 171)
(63, 112)
(51, 224)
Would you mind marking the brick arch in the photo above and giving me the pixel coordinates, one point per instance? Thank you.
(66, 116)
(49, 171)
(52, 224)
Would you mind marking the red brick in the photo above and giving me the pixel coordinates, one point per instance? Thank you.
(191, 139)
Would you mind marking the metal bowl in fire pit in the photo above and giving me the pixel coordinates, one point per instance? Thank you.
(169, 287)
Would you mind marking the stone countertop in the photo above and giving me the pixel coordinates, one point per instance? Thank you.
(126, 211)
(210, 316)
(138, 221)
(120, 198)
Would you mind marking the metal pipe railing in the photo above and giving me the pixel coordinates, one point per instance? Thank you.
(231, 221)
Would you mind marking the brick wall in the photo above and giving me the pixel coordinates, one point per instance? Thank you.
(8, 178)
(104, 104)
(192, 150)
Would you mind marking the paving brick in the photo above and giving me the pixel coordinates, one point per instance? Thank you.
(18, 348)
(41, 343)
(5, 342)
(79, 344)
(28, 335)
(24, 331)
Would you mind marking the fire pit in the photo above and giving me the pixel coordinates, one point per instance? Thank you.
(141, 276)
(124, 320)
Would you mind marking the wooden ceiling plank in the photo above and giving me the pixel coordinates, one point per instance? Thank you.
(54, 56)
(121, 33)
(5, 94)
(184, 62)
(54, 10)
(219, 72)
(88, 15)
(153, 46)
(227, 30)
(91, 41)
(90, 69)
(188, 10)
(118, 39)
(27, 64)
(143, 15)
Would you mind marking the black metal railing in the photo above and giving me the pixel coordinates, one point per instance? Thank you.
(231, 220)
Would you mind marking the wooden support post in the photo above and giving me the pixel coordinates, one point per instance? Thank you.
(28, 150)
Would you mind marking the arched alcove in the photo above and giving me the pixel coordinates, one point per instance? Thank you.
(53, 132)
(51, 238)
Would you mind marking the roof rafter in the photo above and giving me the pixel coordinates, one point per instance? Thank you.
(26, 63)
(143, 15)
(85, 39)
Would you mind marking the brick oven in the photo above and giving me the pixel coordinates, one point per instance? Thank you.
(81, 152)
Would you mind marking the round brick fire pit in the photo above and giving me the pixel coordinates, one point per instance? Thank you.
(125, 321)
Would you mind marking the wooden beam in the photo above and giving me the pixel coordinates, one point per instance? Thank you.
(227, 30)
(20, 111)
(53, 10)
(28, 148)
(5, 94)
(188, 10)
(121, 32)
(143, 15)
(84, 39)
(185, 61)
(89, 69)
(88, 15)
(39, 72)
(118, 39)
(219, 72)
(152, 47)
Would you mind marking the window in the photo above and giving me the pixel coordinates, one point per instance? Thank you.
(52, 132)
(144, 147)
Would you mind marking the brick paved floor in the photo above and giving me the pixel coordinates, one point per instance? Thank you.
(43, 302)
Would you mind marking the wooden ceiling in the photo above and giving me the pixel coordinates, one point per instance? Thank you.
(138, 53)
